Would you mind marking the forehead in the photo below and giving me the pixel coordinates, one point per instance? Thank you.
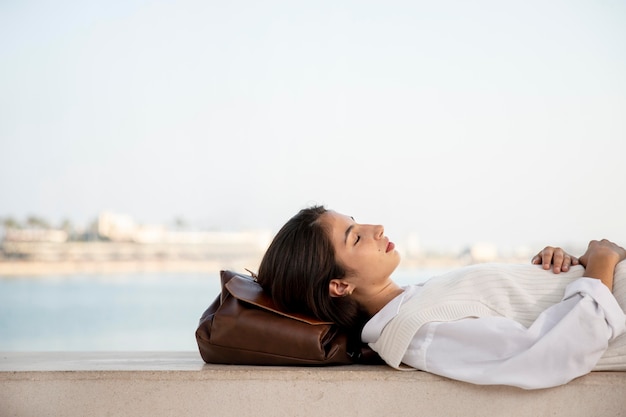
(337, 223)
(332, 216)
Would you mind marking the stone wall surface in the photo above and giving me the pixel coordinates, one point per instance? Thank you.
(179, 384)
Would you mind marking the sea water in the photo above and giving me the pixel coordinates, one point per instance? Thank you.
(113, 312)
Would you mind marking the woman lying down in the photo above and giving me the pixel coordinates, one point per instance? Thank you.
(532, 326)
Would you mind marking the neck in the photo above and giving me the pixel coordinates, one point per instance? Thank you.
(373, 303)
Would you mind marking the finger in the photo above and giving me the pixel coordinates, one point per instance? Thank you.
(546, 257)
(567, 262)
(570, 261)
(536, 260)
(558, 257)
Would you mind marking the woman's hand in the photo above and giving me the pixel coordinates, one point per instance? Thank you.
(604, 248)
(600, 259)
(555, 257)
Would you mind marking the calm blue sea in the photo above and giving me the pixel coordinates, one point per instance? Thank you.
(114, 312)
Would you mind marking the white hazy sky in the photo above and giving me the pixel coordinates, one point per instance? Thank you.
(459, 121)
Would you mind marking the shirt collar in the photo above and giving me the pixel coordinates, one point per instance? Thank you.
(374, 327)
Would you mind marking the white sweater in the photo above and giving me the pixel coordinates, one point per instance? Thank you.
(518, 292)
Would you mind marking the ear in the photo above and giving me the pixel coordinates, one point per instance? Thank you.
(339, 288)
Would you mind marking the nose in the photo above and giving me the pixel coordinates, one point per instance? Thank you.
(379, 231)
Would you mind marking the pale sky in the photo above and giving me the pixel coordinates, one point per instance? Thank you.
(457, 121)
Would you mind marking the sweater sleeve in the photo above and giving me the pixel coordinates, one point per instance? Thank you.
(565, 342)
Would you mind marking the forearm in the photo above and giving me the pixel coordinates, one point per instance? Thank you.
(602, 267)
(600, 260)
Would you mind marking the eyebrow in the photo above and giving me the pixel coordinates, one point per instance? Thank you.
(348, 230)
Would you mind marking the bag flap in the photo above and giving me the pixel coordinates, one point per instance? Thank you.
(248, 291)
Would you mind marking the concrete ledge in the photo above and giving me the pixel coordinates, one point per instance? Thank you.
(179, 384)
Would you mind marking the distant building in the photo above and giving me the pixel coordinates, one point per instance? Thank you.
(480, 252)
(122, 228)
(116, 227)
(121, 239)
(35, 235)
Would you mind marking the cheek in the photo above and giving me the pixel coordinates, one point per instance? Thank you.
(341, 258)
(345, 261)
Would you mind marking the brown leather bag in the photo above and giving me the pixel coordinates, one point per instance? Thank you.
(243, 326)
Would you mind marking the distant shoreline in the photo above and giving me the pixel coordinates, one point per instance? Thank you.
(40, 268)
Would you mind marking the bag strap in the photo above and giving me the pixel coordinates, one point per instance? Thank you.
(248, 291)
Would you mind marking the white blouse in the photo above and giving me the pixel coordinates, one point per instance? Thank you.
(565, 341)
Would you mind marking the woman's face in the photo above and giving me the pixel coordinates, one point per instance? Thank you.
(363, 250)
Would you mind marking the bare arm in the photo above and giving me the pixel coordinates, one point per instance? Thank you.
(600, 259)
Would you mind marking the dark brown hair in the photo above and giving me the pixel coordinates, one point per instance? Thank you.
(297, 269)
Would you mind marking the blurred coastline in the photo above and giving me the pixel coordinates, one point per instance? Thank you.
(43, 268)
(110, 258)
(115, 243)
(39, 258)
